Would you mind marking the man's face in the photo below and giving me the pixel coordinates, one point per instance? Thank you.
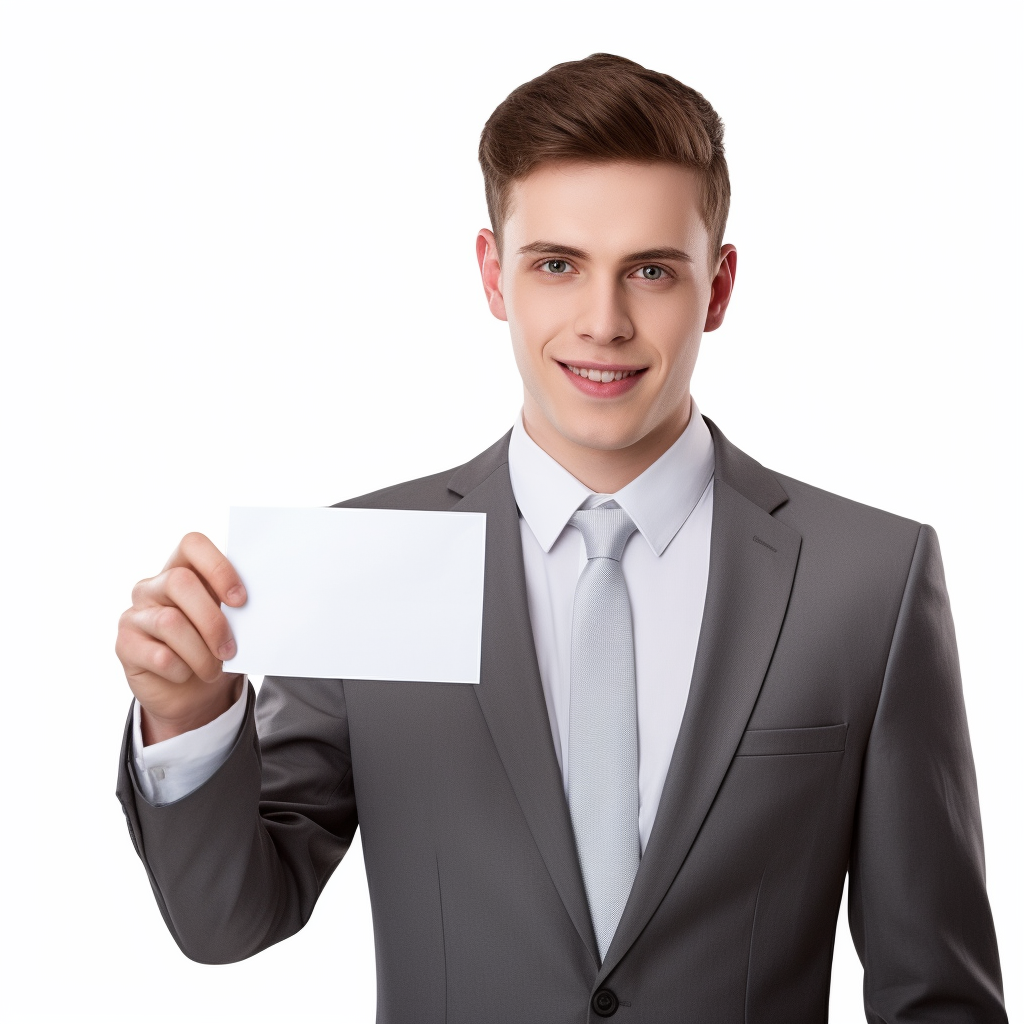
(605, 281)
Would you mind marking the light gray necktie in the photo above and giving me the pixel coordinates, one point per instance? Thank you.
(604, 797)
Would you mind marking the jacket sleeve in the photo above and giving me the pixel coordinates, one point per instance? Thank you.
(919, 913)
(239, 863)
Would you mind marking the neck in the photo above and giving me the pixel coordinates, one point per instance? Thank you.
(606, 470)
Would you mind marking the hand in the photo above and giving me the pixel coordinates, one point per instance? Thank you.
(174, 638)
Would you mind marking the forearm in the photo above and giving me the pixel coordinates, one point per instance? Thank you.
(230, 879)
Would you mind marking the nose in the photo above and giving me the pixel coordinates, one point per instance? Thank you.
(603, 317)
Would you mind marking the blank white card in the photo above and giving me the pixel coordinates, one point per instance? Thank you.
(358, 593)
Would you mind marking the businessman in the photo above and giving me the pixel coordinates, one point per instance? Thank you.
(707, 692)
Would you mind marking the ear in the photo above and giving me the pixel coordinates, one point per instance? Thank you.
(721, 288)
(490, 271)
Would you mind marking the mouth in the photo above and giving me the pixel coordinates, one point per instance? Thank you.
(602, 381)
(601, 374)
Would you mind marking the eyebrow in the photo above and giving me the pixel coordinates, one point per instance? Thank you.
(555, 248)
(664, 253)
(549, 248)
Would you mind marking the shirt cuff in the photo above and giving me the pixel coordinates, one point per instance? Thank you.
(171, 769)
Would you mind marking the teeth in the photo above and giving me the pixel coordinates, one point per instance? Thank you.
(602, 376)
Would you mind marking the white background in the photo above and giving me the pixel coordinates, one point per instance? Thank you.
(236, 266)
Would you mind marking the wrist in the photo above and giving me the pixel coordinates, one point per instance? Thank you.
(158, 727)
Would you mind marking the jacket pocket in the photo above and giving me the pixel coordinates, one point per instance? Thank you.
(822, 739)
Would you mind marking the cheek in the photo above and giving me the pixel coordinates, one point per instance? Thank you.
(676, 334)
(535, 317)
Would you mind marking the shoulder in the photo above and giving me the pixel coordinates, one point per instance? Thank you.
(855, 560)
(438, 492)
(823, 519)
(427, 493)
(840, 521)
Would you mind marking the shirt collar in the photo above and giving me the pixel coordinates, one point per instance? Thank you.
(659, 500)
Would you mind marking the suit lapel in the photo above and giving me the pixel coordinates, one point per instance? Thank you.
(510, 691)
(753, 562)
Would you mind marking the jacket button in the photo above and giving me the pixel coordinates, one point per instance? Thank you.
(604, 1002)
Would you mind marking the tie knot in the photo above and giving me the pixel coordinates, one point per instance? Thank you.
(605, 531)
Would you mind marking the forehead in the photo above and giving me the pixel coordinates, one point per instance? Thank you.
(613, 206)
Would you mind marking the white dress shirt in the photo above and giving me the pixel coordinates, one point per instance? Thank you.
(666, 568)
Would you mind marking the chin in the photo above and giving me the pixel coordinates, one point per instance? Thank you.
(598, 433)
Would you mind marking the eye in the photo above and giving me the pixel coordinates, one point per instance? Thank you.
(652, 273)
(556, 266)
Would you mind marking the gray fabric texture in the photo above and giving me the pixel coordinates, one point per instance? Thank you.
(824, 732)
(604, 761)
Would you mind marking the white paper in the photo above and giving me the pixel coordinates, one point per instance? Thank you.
(358, 593)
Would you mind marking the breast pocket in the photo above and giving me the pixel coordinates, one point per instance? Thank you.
(821, 739)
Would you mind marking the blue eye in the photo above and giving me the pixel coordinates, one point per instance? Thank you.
(556, 266)
(652, 273)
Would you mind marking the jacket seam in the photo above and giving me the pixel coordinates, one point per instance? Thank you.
(444, 947)
(878, 703)
(892, 637)
(750, 951)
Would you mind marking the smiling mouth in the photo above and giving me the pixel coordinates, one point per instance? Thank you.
(601, 376)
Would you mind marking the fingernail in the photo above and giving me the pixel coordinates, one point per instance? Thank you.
(227, 650)
(236, 595)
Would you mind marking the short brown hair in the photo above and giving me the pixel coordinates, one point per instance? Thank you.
(599, 109)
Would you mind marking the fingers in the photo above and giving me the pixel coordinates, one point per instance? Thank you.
(199, 553)
(147, 660)
(179, 589)
(173, 698)
(189, 652)
(174, 639)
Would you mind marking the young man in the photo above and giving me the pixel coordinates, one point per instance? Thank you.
(707, 690)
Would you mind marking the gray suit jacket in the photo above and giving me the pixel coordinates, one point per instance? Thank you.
(825, 732)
